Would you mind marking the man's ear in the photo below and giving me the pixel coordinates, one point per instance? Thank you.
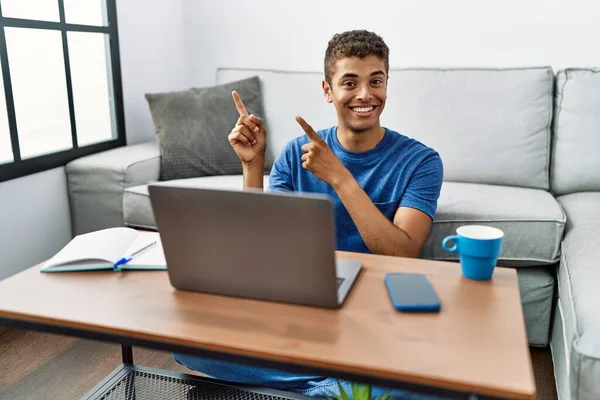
(327, 91)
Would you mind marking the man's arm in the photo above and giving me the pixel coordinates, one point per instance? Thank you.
(407, 233)
(253, 173)
(404, 237)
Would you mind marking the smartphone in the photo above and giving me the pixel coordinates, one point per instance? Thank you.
(412, 292)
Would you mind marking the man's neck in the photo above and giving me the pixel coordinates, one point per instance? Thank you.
(360, 141)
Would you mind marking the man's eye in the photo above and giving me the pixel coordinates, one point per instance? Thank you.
(377, 81)
(348, 84)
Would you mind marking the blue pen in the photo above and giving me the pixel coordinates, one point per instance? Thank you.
(125, 260)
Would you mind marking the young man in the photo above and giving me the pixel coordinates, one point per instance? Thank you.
(384, 185)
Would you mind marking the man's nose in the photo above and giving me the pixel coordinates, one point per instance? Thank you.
(364, 93)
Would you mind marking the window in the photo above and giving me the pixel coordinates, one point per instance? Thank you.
(60, 83)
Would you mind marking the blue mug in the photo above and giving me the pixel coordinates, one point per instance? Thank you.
(478, 247)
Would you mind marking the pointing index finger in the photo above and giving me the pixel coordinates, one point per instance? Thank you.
(310, 132)
(239, 105)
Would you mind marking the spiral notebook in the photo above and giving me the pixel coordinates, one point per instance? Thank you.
(113, 248)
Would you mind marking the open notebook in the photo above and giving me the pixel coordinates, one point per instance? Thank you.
(112, 248)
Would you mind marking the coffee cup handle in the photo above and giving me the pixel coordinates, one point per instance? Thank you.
(447, 239)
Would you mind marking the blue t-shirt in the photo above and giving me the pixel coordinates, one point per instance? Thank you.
(398, 172)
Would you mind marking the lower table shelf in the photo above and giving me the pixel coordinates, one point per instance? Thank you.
(132, 382)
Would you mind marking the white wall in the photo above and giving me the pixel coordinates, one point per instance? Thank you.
(153, 57)
(35, 219)
(293, 34)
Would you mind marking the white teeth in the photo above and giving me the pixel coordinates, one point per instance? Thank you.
(362, 109)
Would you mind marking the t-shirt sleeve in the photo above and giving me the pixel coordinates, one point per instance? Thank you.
(424, 186)
(280, 178)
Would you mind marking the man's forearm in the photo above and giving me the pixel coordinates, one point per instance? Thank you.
(379, 234)
(253, 173)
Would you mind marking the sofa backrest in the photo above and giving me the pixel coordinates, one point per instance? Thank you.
(489, 125)
(576, 146)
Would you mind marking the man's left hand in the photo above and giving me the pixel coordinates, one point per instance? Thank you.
(319, 159)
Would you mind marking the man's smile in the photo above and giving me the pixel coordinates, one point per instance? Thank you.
(363, 111)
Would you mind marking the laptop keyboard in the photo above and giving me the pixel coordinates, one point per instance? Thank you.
(340, 281)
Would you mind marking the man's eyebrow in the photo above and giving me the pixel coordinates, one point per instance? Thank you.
(352, 75)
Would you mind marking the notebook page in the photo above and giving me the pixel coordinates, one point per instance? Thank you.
(153, 256)
(106, 246)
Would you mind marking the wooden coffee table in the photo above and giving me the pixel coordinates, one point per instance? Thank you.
(476, 347)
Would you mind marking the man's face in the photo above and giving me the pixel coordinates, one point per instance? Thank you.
(358, 90)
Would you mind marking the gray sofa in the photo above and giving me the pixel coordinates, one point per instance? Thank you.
(521, 151)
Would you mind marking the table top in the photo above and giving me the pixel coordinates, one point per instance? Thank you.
(476, 343)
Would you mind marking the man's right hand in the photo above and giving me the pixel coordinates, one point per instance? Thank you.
(249, 136)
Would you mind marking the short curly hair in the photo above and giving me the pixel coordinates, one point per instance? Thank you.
(359, 43)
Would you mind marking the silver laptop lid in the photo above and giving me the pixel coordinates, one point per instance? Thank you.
(272, 246)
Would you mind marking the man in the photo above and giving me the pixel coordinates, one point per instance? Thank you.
(384, 185)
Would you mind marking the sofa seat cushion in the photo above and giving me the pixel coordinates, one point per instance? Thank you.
(137, 209)
(579, 294)
(531, 219)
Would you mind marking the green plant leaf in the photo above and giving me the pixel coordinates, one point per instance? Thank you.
(343, 394)
(357, 392)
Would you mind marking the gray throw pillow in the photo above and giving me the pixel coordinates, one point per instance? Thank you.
(193, 125)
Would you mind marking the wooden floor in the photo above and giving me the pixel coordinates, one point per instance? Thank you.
(43, 366)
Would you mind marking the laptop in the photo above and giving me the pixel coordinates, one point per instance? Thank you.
(252, 244)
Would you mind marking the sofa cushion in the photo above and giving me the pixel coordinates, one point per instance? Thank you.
(579, 297)
(193, 127)
(489, 125)
(575, 161)
(137, 209)
(531, 219)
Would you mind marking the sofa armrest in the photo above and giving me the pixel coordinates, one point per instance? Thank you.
(97, 183)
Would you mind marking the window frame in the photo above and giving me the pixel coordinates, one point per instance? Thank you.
(19, 167)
